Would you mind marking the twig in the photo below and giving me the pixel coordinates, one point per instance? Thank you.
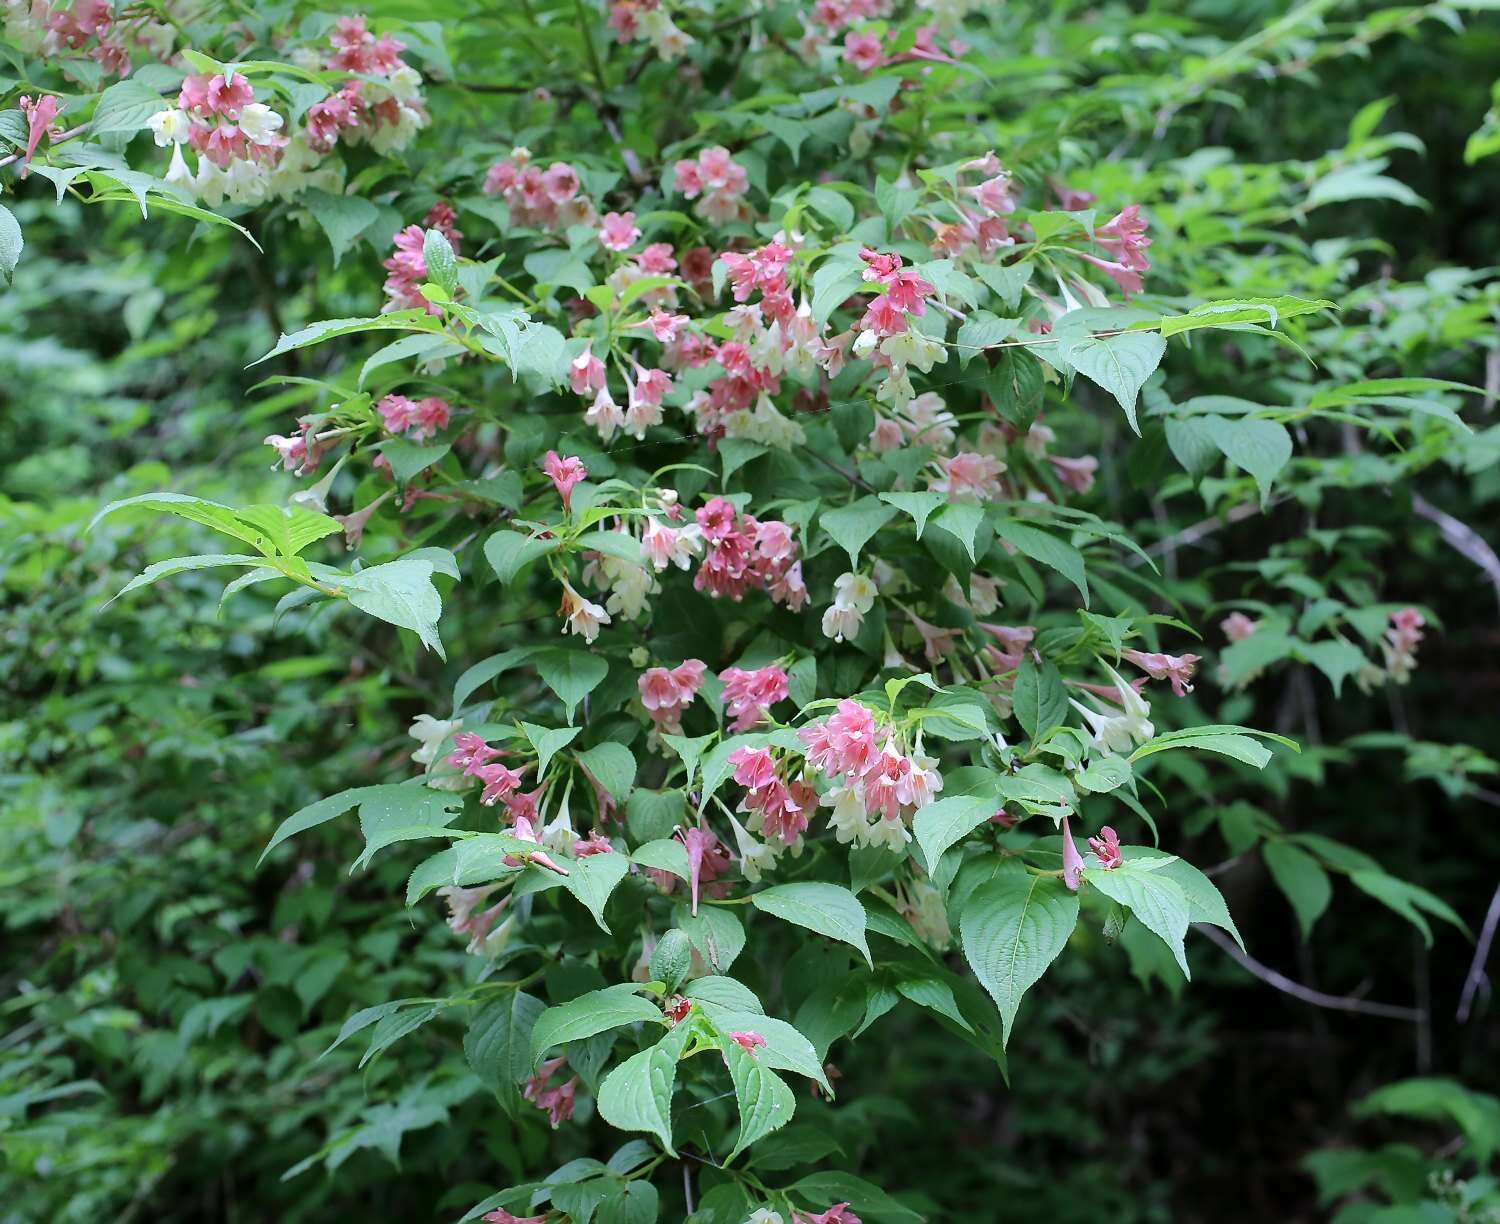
(1463, 539)
(1481, 957)
(1306, 993)
(1202, 529)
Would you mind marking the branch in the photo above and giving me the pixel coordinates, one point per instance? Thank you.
(1307, 994)
(1481, 957)
(1463, 539)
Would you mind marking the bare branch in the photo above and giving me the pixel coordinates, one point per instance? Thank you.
(1475, 976)
(1463, 539)
(1307, 994)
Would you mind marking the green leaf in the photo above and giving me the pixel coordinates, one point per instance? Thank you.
(343, 218)
(1120, 364)
(599, 1011)
(1039, 698)
(1012, 928)
(664, 854)
(125, 107)
(945, 823)
(832, 205)
(1007, 281)
(852, 526)
(828, 909)
(631, 1202)
(834, 281)
(613, 765)
(486, 670)
(962, 521)
(1409, 900)
(400, 593)
(637, 1095)
(508, 552)
(870, 1201)
(1192, 445)
(764, 1100)
(406, 813)
(158, 570)
(1302, 879)
(1157, 901)
(571, 674)
(442, 264)
(194, 509)
(1016, 385)
(919, 505)
(405, 802)
(716, 933)
(1048, 550)
(11, 243)
(1236, 747)
(982, 330)
(414, 320)
(591, 879)
(288, 529)
(548, 741)
(1262, 448)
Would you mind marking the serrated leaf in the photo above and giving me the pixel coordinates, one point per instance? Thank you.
(1012, 928)
(637, 1095)
(851, 526)
(1157, 902)
(400, 593)
(1302, 880)
(599, 1011)
(1120, 364)
(945, 823)
(591, 879)
(828, 909)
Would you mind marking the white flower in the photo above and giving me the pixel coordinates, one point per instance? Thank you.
(246, 182)
(855, 589)
(755, 857)
(170, 126)
(764, 1215)
(913, 348)
(580, 615)
(178, 174)
(260, 123)
(1118, 732)
(430, 732)
(842, 621)
(405, 83)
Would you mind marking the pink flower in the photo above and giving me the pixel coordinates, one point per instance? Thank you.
(431, 415)
(618, 231)
(844, 743)
(565, 474)
(1072, 861)
(470, 752)
(39, 112)
(666, 694)
(1400, 644)
(499, 781)
(839, 1213)
(863, 51)
(501, 1216)
(1176, 668)
(707, 859)
(1237, 626)
(1106, 848)
(558, 1102)
(560, 182)
(657, 260)
(586, 372)
(665, 327)
(968, 474)
(443, 218)
(749, 694)
(747, 1041)
(594, 843)
(883, 317)
(397, 413)
(228, 96)
(753, 767)
(1124, 235)
(1076, 474)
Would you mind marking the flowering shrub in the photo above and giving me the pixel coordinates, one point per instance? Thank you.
(743, 455)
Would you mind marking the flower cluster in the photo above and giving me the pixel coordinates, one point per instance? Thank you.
(716, 181)
(648, 20)
(877, 787)
(92, 25)
(740, 553)
(417, 419)
(779, 809)
(557, 1100)
(666, 693)
(1400, 643)
(547, 199)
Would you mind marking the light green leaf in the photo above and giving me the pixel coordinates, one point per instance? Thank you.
(11, 243)
(343, 218)
(1048, 550)
(764, 1100)
(1120, 364)
(637, 1095)
(509, 551)
(400, 593)
(1156, 900)
(828, 909)
(613, 765)
(571, 674)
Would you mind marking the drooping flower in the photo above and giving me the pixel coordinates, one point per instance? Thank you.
(618, 231)
(1118, 732)
(1072, 861)
(748, 695)
(580, 615)
(556, 1101)
(1176, 668)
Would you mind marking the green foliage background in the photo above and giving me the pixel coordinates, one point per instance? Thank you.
(165, 1003)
